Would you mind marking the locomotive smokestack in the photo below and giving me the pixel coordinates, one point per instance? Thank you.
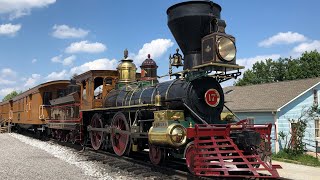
(189, 22)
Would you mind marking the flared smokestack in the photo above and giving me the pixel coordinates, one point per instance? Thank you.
(189, 22)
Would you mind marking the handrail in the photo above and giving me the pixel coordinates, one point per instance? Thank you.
(41, 115)
(41, 111)
(10, 115)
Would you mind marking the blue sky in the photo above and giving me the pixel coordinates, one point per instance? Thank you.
(43, 40)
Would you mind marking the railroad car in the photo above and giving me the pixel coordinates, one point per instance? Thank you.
(125, 111)
(5, 115)
(30, 109)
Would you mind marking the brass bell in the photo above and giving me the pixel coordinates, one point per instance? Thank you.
(176, 59)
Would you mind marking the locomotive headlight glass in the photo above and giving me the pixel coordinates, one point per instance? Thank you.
(178, 134)
(226, 49)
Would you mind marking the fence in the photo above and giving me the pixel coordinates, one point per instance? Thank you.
(313, 144)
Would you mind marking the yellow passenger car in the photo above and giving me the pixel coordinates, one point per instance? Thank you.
(30, 109)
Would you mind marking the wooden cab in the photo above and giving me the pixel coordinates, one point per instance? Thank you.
(95, 85)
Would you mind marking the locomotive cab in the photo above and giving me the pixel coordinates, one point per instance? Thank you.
(95, 85)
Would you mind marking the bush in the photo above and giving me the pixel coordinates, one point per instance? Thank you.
(292, 157)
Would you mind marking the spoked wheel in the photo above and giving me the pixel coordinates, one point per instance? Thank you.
(72, 138)
(59, 135)
(157, 155)
(120, 134)
(96, 136)
(54, 134)
(38, 134)
(67, 137)
(190, 155)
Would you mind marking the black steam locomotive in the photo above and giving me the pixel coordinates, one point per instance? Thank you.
(178, 118)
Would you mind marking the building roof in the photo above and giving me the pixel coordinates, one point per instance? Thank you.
(266, 97)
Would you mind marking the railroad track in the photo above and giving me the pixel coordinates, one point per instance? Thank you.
(136, 166)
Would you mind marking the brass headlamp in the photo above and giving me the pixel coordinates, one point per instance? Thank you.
(226, 49)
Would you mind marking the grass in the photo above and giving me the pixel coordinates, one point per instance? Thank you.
(304, 159)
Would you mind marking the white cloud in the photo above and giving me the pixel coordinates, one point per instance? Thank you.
(5, 91)
(57, 76)
(6, 82)
(99, 64)
(32, 81)
(57, 59)
(65, 32)
(248, 62)
(156, 48)
(7, 72)
(9, 29)
(68, 61)
(283, 38)
(34, 61)
(19, 8)
(308, 46)
(7, 79)
(86, 47)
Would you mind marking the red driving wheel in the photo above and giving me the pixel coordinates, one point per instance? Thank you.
(190, 155)
(120, 134)
(156, 154)
(96, 136)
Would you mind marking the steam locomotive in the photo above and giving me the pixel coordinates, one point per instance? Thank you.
(125, 111)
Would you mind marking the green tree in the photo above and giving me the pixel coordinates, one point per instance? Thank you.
(10, 95)
(307, 66)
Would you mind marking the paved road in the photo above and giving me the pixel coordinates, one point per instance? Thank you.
(297, 172)
(21, 161)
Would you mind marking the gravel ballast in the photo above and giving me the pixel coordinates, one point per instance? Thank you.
(26, 158)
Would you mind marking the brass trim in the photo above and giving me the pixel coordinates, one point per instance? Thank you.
(117, 97)
(164, 76)
(125, 98)
(166, 95)
(157, 100)
(119, 107)
(141, 94)
(195, 68)
(182, 72)
(220, 76)
(220, 64)
(155, 88)
(132, 95)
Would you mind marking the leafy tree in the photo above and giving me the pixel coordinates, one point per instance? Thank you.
(307, 66)
(10, 95)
